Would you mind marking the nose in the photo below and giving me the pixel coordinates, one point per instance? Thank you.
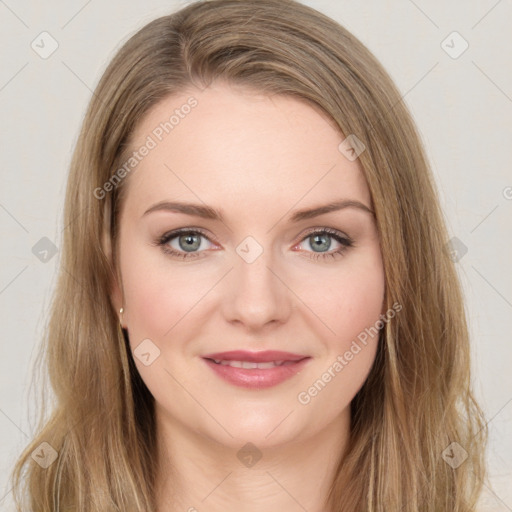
(256, 293)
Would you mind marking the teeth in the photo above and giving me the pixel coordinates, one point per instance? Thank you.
(249, 365)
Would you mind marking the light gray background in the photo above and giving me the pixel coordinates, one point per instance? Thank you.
(463, 107)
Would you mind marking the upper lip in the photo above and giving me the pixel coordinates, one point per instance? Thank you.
(256, 357)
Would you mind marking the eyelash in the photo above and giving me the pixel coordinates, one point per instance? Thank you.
(344, 240)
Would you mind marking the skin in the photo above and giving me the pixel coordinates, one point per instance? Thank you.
(257, 159)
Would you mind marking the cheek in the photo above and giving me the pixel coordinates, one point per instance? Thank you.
(351, 306)
(157, 293)
(349, 300)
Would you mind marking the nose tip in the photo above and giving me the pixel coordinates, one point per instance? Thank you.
(256, 296)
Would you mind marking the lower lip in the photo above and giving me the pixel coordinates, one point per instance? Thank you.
(256, 378)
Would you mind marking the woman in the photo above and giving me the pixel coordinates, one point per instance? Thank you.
(256, 309)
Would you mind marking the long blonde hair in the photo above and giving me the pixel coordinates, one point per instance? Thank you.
(417, 400)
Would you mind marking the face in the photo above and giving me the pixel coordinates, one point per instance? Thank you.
(251, 274)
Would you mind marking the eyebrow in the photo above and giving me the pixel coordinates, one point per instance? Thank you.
(207, 212)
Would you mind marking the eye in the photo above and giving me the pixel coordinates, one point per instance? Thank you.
(319, 239)
(188, 243)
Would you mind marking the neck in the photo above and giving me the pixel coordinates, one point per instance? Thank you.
(198, 473)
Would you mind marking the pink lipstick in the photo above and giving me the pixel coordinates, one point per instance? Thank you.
(256, 370)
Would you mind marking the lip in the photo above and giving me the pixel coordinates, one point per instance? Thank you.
(256, 378)
(265, 356)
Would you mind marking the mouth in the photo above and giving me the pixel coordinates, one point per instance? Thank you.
(255, 370)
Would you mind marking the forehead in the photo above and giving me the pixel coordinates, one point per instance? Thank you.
(236, 145)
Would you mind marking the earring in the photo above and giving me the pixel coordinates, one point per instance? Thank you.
(121, 311)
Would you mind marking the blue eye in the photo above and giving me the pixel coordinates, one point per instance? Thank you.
(189, 241)
(318, 240)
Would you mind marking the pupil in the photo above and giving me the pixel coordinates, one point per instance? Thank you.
(320, 237)
(189, 242)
